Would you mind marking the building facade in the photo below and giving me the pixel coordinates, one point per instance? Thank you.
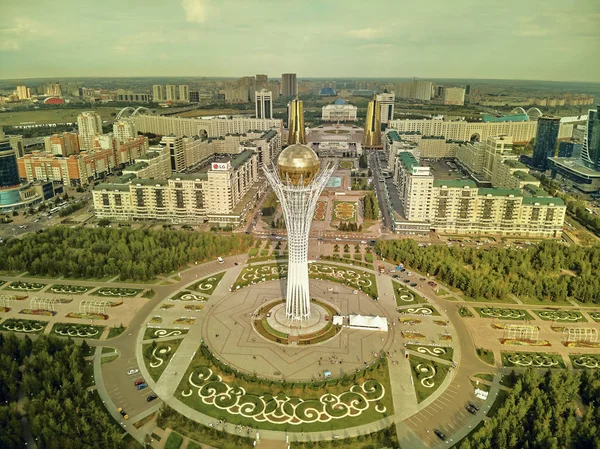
(89, 125)
(124, 130)
(171, 92)
(372, 133)
(158, 93)
(296, 131)
(263, 104)
(63, 144)
(289, 85)
(545, 142)
(386, 102)
(184, 93)
(339, 111)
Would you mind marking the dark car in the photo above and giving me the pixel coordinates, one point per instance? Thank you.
(422, 279)
(471, 410)
(406, 281)
(475, 406)
(413, 284)
(440, 434)
(151, 398)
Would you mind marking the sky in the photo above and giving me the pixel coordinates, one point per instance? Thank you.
(500, 39)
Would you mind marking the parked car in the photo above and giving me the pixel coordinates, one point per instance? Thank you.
(471, 410)
(475, 406)
(123, 413)
(138, 382)
(406, 281)
(413, 284)
(142, 386)
(440, 434)
(131, 372)
(151, 398)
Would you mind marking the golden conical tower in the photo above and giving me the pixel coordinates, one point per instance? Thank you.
(296, 122)
(372, 136)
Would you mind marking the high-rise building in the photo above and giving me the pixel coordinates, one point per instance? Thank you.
(124, 130)
(289, 86)
(372, 134)
(89, 125)
(386, 100)
(171, 92)
(23, 92)
(453, 95)
(262, 79)
(296, 131)
(298, 181)
(590, 152)
(275, 88)
(9, 172)
(194, 96)
(545, 141)
(263, 101)
(184, 93)
(415, 89)
(158, 92)
(63, 144)
(568, 148)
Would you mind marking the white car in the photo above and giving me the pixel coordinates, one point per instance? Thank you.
(220, 260)
(364, 242)
(131, 372)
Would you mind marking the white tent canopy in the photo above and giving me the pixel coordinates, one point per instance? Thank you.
(368, 322)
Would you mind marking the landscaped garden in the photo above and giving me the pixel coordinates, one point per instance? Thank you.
(346, 165)
(567, 316)
(405, 296)
(442, 352)
(186, 295)
(153, 332)
(157, 356)
(88, 315)
(464, 312)
(421, 310)
(486, 355)
(70, 289)
(503, 314)
(77, 330)
(344, 210)
(260, 273)
(218, 391)
(357, 279)
(595, 316)
(117, 292)
(427, 376)
(25, 326)
(321, 211)
(207, 285)
(25, 286)
(589, 361)
(532, 360)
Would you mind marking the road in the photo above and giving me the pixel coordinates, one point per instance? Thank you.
(381, 197)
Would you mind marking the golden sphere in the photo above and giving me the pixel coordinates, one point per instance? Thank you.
(299, 163)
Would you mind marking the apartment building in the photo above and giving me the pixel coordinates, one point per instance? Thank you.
(155, 164)
(63, 144)
(437, 147)
(89, 125)
(223, 193)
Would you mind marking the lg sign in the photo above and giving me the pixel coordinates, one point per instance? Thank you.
(220, 166)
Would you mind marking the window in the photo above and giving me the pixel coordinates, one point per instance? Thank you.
(105, 200)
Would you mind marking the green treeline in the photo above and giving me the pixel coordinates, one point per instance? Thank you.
(539, 271)
(371, 207)
(541, 412)
(105, 252)
(61, 412)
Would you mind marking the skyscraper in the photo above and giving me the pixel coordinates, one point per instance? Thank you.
(23, 92)
(171, 92)
(261, 79)
(124, 130)
(296, 122)
(386, 100)
(9, 172)
(590, 152)
(289, 87)
(298, 181)
(263, 104)
(158, 92)
(372, 135)
(184, 93)
(89, 125)
(545, 141)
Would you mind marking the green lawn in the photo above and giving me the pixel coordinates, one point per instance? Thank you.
(77, 330)
(174, 441)
(24, 287)
(544, 302)
(164, 353)
(152, 333)
(532, 360)
(486, 356)
(68, 289)
(254, 274)
(405, 297)
(503, 313)
(441, 352)
(485, 376)
(149, 294)
(561, 316)
(464, 312)
(589, 361)
(208, 285)
(259, 397)
(427, 376)
(116, 292)
(115, 331)
(353, 278)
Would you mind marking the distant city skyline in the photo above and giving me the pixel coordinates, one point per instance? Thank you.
(550, 40)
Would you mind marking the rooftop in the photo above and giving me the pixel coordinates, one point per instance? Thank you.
(198, 176)
(454, 183)
(408, 160)
(524, 176)
(137, 166)
(393, 136)
(512, 163)
(499, 192)
(150, 182)
(506, 118)
(544, 201)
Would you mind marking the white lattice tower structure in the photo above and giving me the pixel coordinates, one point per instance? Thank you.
(298, 202)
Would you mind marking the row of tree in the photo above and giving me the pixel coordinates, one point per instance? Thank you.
(370, 206)
(549, 270)
(128, 253)
(350, 227)
(541, 412)
(61, 411)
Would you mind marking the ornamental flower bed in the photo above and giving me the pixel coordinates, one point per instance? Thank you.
(581, 344)
(413, 335)
(320, 211)
(4, 309)
(88, 316)
(194, 307)
(40, 312)
(524, 342)
(26, 286)
(184, 320)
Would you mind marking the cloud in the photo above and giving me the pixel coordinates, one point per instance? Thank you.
(195, 10)
(366, 33)
(22, 29)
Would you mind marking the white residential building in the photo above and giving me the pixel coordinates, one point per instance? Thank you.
(89, 125)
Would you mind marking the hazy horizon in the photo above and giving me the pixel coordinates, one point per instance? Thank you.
(512, 40)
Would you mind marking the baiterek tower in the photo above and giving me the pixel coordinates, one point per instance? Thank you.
(298, 181)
